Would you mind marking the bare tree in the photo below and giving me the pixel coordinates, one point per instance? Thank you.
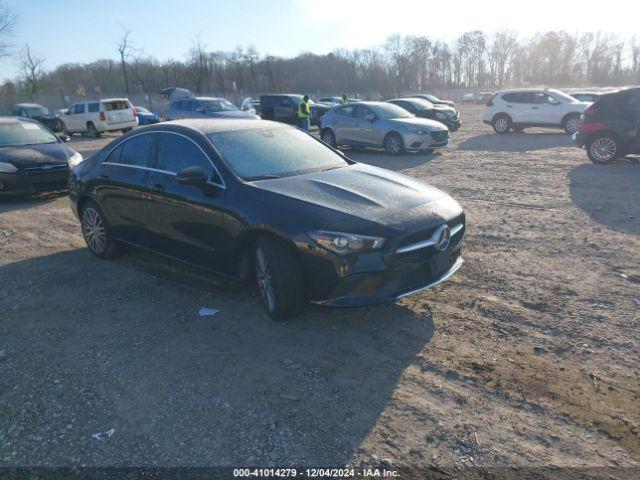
(7, 23)
(31, 71)
(124, 50)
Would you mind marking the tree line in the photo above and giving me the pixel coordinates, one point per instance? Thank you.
(475, 60)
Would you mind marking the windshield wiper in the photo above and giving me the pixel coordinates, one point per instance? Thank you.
(263, 177)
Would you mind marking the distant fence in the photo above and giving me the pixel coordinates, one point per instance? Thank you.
(158, 103)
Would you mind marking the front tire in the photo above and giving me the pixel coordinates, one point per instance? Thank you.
(571, 123)
(96, 231)
(501, 123)
(603, 148)
(329, 137)
(279, 277)
(393, 143)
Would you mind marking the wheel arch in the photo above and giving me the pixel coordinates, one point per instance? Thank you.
(567, 116)
(501, 114)
(245, 245)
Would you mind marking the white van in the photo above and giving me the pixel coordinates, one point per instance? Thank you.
(98, 116)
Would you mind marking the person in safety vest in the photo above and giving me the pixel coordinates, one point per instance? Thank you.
(304, 113)
(344, 99)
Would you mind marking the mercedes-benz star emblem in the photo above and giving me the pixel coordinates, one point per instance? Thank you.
(442, 237)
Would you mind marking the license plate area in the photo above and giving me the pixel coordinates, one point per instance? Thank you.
(442, 262)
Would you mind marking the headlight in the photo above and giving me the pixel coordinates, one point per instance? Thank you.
(75, 160)
(344, 243)
(417, 131)
(7, 167)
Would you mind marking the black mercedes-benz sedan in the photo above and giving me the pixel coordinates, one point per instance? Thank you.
(32, 158)
(264, 201)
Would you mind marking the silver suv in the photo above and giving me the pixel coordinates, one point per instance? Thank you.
(380, 124)
(205, 107)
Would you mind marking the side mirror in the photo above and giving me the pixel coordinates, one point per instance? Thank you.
(192, 176)
(63, 137)
(370, 117)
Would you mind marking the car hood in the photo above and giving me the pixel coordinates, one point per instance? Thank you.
(232, 114)
(419, 122)
(338, 198)
(33, 155)
(444, 102)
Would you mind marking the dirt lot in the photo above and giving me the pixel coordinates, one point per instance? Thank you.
(529, 356)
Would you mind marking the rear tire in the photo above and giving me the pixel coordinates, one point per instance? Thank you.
(571, 123)
(279, 277)
(96, 231)
(93, 131)
(603, 148)
(393, 143)
(329, 137)
(501, 123)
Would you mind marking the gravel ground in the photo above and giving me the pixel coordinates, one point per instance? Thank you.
(529, 356)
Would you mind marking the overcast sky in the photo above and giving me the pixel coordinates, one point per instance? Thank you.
(84, 30)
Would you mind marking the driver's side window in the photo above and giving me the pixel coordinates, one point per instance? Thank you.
(176, 153)
(363, 112)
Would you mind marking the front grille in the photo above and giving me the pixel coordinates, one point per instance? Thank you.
(49, 179)
(440, 135)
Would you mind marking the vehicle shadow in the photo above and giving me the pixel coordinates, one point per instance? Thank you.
(516, 142)
(114, 345)
(9, 204)
(609, 194)
(380, 158)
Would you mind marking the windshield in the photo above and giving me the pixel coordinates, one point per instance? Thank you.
(219, 105)
(422, 104)
(563, 96)
(273, 153)
(142, 110)
(389, 111)
(24, 133)
(432, 98)
(34, 111)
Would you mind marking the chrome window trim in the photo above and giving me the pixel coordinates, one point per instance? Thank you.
(429, 242)
(106, 162)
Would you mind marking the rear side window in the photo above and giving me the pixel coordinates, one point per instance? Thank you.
(345, 111)
(79, 108)
(512, 97)
(94, 107)
(116, 105)
(176, 153)
(137, 151)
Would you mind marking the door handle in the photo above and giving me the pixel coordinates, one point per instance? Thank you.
(509, 106)
(534, 108)
(157, 188)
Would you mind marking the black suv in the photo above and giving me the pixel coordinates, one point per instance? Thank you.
(283, 107)
(610, 127)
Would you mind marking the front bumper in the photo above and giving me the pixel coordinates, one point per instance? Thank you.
(408, 265)
(424, 142)
(389, 290)
(453, 124)
(34, 180)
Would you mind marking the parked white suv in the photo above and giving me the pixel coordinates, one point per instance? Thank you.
(518, 109)
(98, 116)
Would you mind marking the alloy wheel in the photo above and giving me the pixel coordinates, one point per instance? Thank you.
(603, 149)
(501, 125)
(329, 138)
(265, 284)
(572, 125)
(394, 144)
(93, 230)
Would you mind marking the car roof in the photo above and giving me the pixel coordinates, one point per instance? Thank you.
(14, 120)
(216, 125)
(209, 98)
(27, 105)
